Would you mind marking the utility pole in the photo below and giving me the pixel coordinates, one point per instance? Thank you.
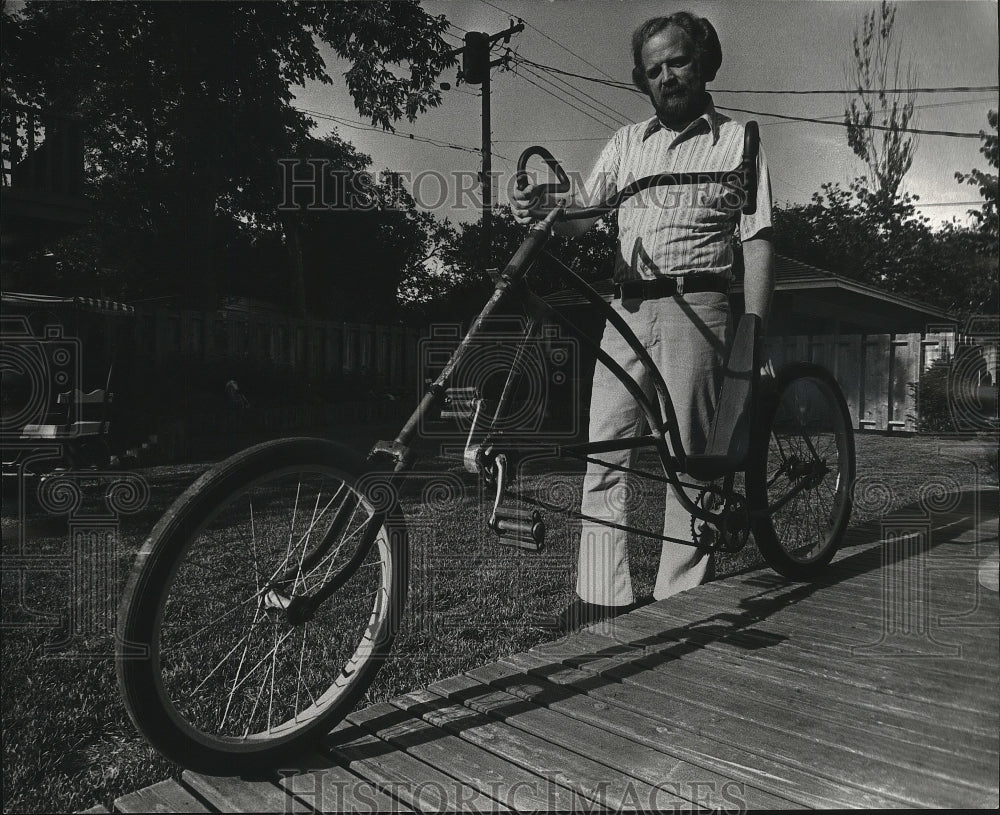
(476, 66)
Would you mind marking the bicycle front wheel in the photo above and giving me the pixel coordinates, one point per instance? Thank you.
(261, 606)
(802, 470)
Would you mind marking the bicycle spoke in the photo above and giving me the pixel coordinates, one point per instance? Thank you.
(208, 625)
(236, 662)
(221, 662)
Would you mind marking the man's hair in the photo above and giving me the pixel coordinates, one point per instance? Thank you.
(707, 48)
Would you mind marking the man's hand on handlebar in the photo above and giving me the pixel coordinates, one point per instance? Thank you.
(531, 204)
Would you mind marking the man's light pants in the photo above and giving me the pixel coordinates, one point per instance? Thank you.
(686, 339)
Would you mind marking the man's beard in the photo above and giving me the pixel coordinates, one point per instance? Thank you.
(686, 103)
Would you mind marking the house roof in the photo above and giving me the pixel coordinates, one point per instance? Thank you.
(22, 300)
(794, 275)
(809, 291)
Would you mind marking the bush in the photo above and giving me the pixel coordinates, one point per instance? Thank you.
(956, 394)
(931, 396)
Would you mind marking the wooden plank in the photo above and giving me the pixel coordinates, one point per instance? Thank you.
(951, 591)
(931, 591)
(593, 782)
(950, 581)
(423, 786)
(918, 627)
(878, 706)
(871, 696)
(875, 393)
(805, 648)
(848, 630)
(702, 748)
(630, 758)
(327, 787)
(826, 700)
(477, 769)
(231, 794)
(848, 363)
(813, 634)
(701, 784)
(821, 351)
(166, 796)
(858, 627)
(699, 710)
(871, 675)
(904, 371)
(799, 723)
(947, 594)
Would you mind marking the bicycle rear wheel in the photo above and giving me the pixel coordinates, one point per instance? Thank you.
(802, 471)
(238, 670)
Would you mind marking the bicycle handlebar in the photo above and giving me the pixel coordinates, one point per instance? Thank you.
(550, 160)
(743, 177)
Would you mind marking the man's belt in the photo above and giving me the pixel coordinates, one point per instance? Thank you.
(669, 286)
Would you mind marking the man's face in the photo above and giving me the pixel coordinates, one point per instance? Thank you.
(672, 76)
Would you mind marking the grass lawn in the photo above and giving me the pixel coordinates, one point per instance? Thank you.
(67, 741)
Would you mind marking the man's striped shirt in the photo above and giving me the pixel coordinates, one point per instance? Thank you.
(669, 231)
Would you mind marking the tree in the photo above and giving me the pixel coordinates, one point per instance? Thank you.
(890, 248)
(986, 182)
(357, 256)
(875, 76)
(457, 284)
(188, 107)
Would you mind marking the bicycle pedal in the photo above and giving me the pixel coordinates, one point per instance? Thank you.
(520, 528)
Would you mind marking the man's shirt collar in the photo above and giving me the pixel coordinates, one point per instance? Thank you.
(709, 118)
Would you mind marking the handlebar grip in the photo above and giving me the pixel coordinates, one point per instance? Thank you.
(563, 184)
(751, 148)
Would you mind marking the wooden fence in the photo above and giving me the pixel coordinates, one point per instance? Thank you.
(316, 348)
(875, 371)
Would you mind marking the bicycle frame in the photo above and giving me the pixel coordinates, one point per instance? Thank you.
(664, 434)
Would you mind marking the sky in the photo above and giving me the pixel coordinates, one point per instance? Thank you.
(777, 45)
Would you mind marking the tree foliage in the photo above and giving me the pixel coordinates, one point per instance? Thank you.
(857, 234)
(878, 117)
(188, 107)
(986, 182)
(458, 283)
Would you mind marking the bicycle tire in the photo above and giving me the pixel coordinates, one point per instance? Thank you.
(205, 643)
(801, 470)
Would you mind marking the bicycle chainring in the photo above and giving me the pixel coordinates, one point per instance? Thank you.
(732, 530)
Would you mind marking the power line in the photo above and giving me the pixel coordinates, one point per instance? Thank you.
(554, 140)
(919, 204)
(554, 42)
(839, 116)
(864, 91)
(544, 140)
(619, 118)
(788, 117)
(627, 86)
(563, 99)
(410, 136)
(617, 114)
(951, 133)
(613, 83)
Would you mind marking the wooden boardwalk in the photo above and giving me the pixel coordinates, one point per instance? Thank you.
(875, 687)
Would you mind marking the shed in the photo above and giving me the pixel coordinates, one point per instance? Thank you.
(876, 343)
